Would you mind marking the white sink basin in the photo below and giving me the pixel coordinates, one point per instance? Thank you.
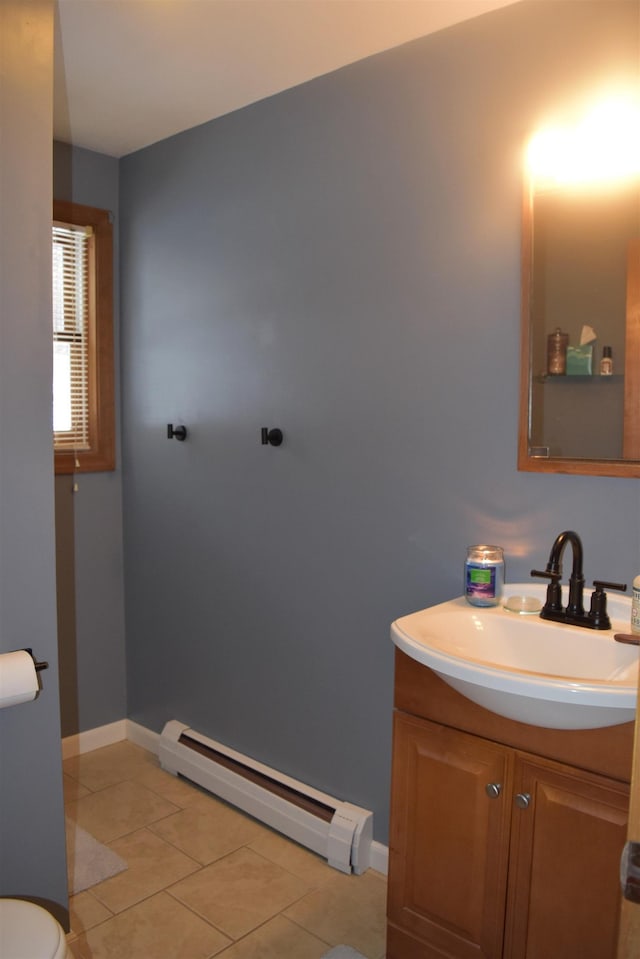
(526, 668)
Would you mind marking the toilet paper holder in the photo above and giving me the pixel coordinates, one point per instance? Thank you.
(39, 666)
(20, 680)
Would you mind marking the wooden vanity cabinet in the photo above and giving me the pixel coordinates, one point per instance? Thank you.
(448, 846)
(564, 867)
(500, 848)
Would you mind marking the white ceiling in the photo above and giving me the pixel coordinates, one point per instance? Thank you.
(132, 72)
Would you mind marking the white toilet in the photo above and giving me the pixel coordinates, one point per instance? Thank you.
(28, 931)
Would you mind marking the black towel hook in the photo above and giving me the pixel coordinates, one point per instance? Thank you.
(179, 433)
(274, 436)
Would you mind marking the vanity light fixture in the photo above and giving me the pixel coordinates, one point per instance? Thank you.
(603, 145)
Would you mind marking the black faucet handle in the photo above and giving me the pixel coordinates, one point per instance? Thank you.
(601, 584)
(547, 574)
(598, 613)
(554, 591)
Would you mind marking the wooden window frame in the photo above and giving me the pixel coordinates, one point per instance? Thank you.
(101, 453)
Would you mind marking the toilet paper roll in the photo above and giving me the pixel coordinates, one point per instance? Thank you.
(18, 678)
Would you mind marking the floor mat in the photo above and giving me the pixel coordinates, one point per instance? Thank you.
(88, 861)
(343, 952)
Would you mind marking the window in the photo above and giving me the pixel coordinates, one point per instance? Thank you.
(83, 375)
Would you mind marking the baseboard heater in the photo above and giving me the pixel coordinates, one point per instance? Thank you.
(338, 831)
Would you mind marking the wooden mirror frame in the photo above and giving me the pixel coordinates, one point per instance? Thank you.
(630, 465)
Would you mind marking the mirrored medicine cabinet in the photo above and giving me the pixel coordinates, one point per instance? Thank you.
(581, 274)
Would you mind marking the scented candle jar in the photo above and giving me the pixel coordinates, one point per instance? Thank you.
(484, 575)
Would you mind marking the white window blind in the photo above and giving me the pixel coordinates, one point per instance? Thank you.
(71, 315)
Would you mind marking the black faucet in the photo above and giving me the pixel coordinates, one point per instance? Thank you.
(574, 613)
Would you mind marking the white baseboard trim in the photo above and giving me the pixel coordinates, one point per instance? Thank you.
(94, 739)
(379, 858)
(141, 736)
(107, 735)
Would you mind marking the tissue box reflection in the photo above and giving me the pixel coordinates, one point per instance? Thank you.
(579, 360)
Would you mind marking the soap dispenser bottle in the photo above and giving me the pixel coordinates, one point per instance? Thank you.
(635, 606)
(606, 363)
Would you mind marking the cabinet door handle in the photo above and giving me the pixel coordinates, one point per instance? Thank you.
(493, 790)
(523, 800)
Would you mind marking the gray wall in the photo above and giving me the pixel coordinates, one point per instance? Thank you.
(89, 521)
(340, 261)
(32, 851)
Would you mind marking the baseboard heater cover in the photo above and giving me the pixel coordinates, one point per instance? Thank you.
(339, 831)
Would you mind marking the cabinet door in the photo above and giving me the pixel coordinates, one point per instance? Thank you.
(564, 890)
(448, 847)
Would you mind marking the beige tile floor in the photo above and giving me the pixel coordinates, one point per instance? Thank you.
(203, 879)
